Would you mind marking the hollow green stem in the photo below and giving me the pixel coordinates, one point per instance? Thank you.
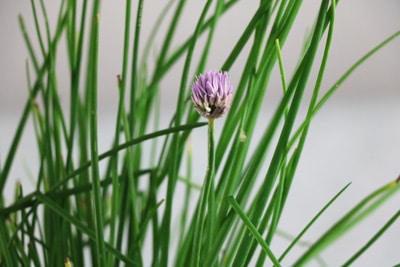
(212, 214)
(207, 196)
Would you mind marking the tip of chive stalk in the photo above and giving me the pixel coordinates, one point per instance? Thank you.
(67, 262)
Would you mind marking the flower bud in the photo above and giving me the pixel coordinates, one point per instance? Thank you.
(212, 94)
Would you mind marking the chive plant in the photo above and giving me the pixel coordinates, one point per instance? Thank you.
(124, 215)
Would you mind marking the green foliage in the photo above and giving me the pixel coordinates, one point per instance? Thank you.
(107, 218)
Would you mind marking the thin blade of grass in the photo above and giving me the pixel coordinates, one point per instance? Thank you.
(364, 208)
(373, 239)
(247, 222)
(92, 85)
(340, 81)
(312, 221)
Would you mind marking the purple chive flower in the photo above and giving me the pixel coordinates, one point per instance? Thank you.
(212, 94)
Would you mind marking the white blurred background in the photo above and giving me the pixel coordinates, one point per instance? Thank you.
(355, 137)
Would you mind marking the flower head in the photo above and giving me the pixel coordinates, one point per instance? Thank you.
(212, 94)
